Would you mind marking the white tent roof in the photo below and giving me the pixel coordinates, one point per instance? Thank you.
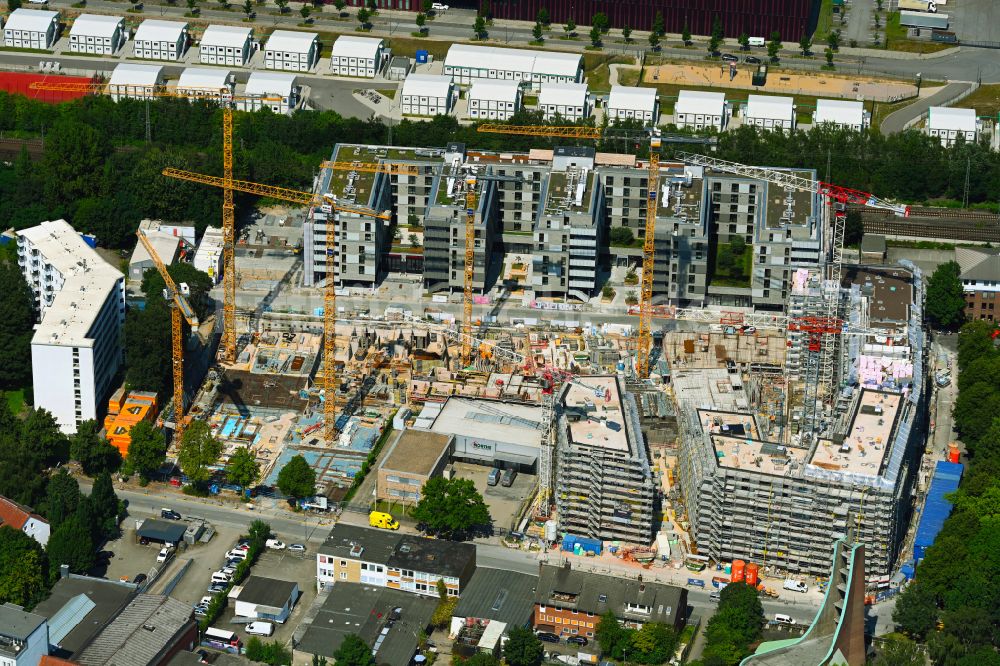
(32, 20)
(563, 94)
(700, 102)
(427, 85)
(270, 83)
(946, 118)
(225, 35)
(843, 111)
(349, 46)
(515, 60)
(128, 74)
(498, 91)
(96, 25)
(290, 41)
(153, 30)
(632, 97)
(770, 106)
(204, 77)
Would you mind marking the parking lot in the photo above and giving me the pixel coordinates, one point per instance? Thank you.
(974, 20)
(503, 502)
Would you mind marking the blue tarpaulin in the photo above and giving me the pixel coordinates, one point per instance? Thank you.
(947, 476)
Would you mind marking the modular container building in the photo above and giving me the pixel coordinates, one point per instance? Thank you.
(947, 476)
(579, 545)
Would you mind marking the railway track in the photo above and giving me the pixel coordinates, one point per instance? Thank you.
(946, 224)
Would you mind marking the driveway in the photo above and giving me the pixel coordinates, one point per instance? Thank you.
(896, 122)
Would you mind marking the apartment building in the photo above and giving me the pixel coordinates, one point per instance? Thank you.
(352, 554)
(31, 29)
(76, 348)
(134, 81)
(24, 636)
(842, 113)
(569, 101)
(277, 91)
(427, 95)
(604, 483)
(948, 124)
(362, 57)
(206, 83)
(226, 45)
(770, 112)
(494, 100)
(633, 103)
(466, 63)
(97, 34)
(160, 40)
(980, 278)
(24, 519)
(701, 110)
(291, 50)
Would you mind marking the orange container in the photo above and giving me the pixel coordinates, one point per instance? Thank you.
(751, 575)
(953, 453)
(739, 567)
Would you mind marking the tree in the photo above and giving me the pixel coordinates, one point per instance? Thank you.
(486, 10)
(659, 26)
(479, 28)
(685, 34)
(570, 26)
(916, 611)
(259, 532)
(192, 6)
(247, 8)
(627, 34)
(744, 40)
(717, 31)
(601, 21)
(945, 299)
(828, 52)
(13, 5)
(451, 507)
(428, 6)
(282, 4)
(713, 45)
(243, 469)
(372, 6)
(612, 636)
(523, 648)
(595, 36)
(17, 317)
(543, 17)
(421, 21)
(774, 46)
(833, 40)
(340, 4)
(41, 435)
(363, 16)
(805, 43)
(353, 652)
(94, 453)
(272, 652)
(621, 236)
(146, 451)
(62, 495)
(71, 543)
(536, 32)
(443, 613)
(654, 41)
(297, 479)
(105, 506)
(854, 228)
(22, 568)
(654, 643)
(481, 659)
(736, 624)
(305, 10)
(199, 449)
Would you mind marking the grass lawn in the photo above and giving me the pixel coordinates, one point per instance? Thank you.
(985, 100)
(895, 38)
(15, 401)
(745, 264)
(598, 73)
(824, 21)
(628, 77)
(388, 92)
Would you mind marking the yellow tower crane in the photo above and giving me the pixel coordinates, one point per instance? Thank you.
(180, 309)
(329, 292)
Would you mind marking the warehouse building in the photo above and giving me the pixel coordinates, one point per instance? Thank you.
(466, 63)
(160, 40)
(569, 101)
(206, 83)
(31, 29)
(770, 112)
(76, 349)
(630, 102)
(948, 124)
(701, 110)
(226, 45)
(133, 81)
(97, 34)
(273, 90)
(291, 51)
(363, 57)
(841, 113)
(208, 257)
(414, 458)
(494, 100)
(427, 95)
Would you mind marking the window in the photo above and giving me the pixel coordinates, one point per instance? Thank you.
(343, 575)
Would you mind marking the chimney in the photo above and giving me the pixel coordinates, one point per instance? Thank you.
(63, 571)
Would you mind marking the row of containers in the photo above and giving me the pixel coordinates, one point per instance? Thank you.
(947, 476)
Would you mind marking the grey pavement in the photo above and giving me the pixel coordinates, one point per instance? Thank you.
(859, 22)
(898, 121)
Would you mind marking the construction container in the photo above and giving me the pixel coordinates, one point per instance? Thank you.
(581, 545)
(751, 576)
(739, 571)
(422, 56)
(953, 453)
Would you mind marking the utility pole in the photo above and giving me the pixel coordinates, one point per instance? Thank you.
(968, 169)
(828, 165)
(149, 130)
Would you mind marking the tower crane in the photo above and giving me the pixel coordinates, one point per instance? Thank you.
(329, 291)
(226, 99)
(180, 310)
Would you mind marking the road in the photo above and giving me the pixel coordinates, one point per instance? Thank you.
(897, 121)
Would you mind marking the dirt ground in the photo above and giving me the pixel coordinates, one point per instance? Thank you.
(827, 84)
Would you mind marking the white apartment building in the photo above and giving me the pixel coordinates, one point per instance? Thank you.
(97, 34)
(291, 51)
(226, 45)
(206, 82)
(628, 102)
(31, 29)
(947, 124)
(494, 100)
(24, 636)
(842, 113)
(208, 257)
(357, 56)
(465, 63)
(134, 81)
(275, 91)
(76, 349)
(770, 112)
(427, 95)
(569, 101)
(701, 110)
(160, 40)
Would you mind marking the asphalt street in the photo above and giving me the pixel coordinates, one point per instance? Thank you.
(897, 121)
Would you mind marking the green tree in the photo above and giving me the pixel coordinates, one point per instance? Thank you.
(449, 507)
(17, 317)
(621, 236)
(854, 228)
(805, 43)
(601, 21)
(570, 26)
(736, 624)
(353, 652)
(421, 21)
(613, 638)
(717, 30)
(627, 34)
(945, 299)
(443, 613)
(147, 347)
(247, 8)
(595, 36)
(71, 543)
(523, 648)
(297, 479)
(654, 643)
(282, 5)
(94, 453)
(543, 17)
(654, 41)
(13, 5)
(22, 568)
(363, 16)
(107, 509)
(481, 659)
(774, 45)
(479, 28)
(713, 45)
(147, 450)
(305, 11)
(242, 469)
(198, 451)
(536, 32)
(485, 10)
(828, 53)
(659, 26)
(41, 435)
(62, 495)
(259, 532)
(428, 6)
(271, 652)
(192, 6)
(372, 6)
(915, 611)
(340, 4)
(744, 40)
(833, 40)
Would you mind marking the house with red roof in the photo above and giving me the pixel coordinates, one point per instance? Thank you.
(23, 518)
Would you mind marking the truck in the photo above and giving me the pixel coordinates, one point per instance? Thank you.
(918, 5)
(795, 585)
(318, 503)
(382, 520)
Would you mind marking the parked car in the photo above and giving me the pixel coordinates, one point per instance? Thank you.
(139, 579)
(548, 637)
(164, 554)
(577, 640)
(275, 544)
(751, 60)
(236, 555)
(439, 7)
(260, 628)
(729, 57)
(221, 577)
(215, 588)
(494, 477)
(508, 478)
(781, 618)
(169, 514)
(297, 548)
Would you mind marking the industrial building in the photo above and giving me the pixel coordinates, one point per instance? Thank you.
(272, 90)
(208, 257)
(97, 34)
(362, 57)
(132, 81)
(948, 124)
(701, 110)
(24, 636)
(633, 103)
(206, 83)
(150, 630)
(569, 101)
(414, 458)
(494, 100)
(536, 68)
(76, 349)
(225, 45)
(427, 95)
(31, 29)
(604, 483)
(841, 113)
(770, 112)
(160, 40)
(291, 50)
(267, 599)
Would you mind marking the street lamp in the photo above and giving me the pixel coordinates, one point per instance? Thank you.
(919, 80)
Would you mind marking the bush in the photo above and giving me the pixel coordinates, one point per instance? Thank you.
(622, 236)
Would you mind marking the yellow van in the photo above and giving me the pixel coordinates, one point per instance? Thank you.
(383, 520)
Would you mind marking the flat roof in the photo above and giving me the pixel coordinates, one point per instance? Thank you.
(129, 74)
(500, 595)
(416, 452)
(775, 107)
(868, 439)
(947, 118)
(501, 421)
(165, 246)
(96, 25)
(843, 111)
(267, 591)
(270, 83)
(433, 556)
(154, 30)
(539, 63)
(351, 46)
(700, 102)
(632, 97)
(426, 85)
(360, 543)
(496, 90)
(291, 40)
(168, 531)
(107, 597)
(563, 94)
(226, 35)
(17, 623)
(140, 633)
(32, 20)
(604, 425)
(889, 290)
(205, 77)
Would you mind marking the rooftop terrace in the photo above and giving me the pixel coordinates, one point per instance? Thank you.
(863, 449)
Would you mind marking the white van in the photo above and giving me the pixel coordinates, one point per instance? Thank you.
(795, 585)
(220, 577)
(756, 41)
(260, 628)
(781, 618)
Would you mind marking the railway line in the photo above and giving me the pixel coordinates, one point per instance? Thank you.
(944, 224)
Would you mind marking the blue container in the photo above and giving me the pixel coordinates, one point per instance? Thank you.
(697, 582)
(422, 56)
(580, 545)
(89, 239)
